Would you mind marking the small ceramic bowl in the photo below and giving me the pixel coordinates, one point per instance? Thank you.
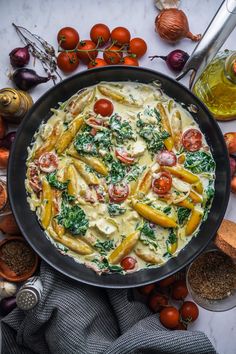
(224, 304)
(6, 272)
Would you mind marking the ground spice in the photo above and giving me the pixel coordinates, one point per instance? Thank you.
(213, 276)
(18, 256)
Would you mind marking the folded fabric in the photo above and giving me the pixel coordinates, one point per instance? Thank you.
(75, 318)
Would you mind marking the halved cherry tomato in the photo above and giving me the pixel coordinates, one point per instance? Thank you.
(189, 311)
(120, 36)
(68, 38)
(118, 193)
(124, 156)
(100, 193)
(192, 140)
(157, 302)
(166, 158)
(96, 63)
(167, 281)
(48, 162)
(93, 122)
(138, 47)
(34, 180)
(103, 107)
(112, 55)
(128, 263)
(89, 51)
(147, 289)
(100, 33)
(179, 290)
(169, 317)
(130, 61)
(67, 62)
(162, 183)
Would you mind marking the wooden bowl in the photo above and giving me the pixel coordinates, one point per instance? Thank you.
(6, 272)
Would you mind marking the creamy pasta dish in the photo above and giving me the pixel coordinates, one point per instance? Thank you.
(120, 177)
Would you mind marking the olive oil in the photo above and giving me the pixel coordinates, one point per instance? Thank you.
(216, 87)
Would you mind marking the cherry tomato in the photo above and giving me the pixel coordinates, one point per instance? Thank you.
(120, 36)
(103, 107)
(96, 63)
(48, 162)
(169, 317)
(68, 38)
(34, 180)
(118, 193)
(94, 122)
(192, 140)
(157, 302)
(189, 311)
(88, 53)
(100, 193)
(167, 281)
(179, 290)
(124, 156)
(147, 289)
(162, 183)
(112, 55)
(67, 62)
(138, 47)
(166, 158)
(181, 326)
(233, 184)
(128, 263)
(100, 33)
(130, 61)
(230, 139)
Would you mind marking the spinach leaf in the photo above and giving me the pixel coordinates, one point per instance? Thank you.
(103, 139)
(147, 236)
(183, 214)
(106, 266)
(115, 209)
(84, 143)
(153, 138)
(121, 130)
(134, 172)
(198, 162)
(73, 218)
(104, 246)
(117, 172)
(53, 181)
(172, 238)
(167, 210)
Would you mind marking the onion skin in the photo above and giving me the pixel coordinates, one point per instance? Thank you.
(172, 25)
(175, 60)
(20, 57)
(7, 305)
(7, 141)
(232, 162)
(25, 79)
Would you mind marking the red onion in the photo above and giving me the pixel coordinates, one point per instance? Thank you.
(25, 79)
(232, 162)
(175, 60)
(7, 141)
(20, 56)
(7, 305)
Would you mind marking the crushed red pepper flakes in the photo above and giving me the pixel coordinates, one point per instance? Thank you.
(213, 275)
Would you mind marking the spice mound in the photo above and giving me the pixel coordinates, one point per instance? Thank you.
(18, 256)
(213, 276)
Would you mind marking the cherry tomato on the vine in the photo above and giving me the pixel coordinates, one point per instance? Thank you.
(68, 38)
(157, 302)
(162, 183)
(169, 317)
(67, 62)
(96, 63)
(167, 281)
(128, 263)
(147, 289)
(138, 47)
(189, 311)
(179, 290)
(103, 107)
(100, 33)
(88, 52)
(130, 61)
(112, 55)
(120, 36)
(192, 139)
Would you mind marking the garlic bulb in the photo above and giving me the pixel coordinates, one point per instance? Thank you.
(166, 4)
(7, 289)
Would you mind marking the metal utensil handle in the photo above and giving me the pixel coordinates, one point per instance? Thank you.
(213, 38)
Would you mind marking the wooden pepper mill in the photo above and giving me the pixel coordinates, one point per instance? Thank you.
(14, 104)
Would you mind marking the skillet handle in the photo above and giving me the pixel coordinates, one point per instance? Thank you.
(213, 38)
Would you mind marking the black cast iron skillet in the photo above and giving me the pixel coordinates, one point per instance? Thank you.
(27, 219)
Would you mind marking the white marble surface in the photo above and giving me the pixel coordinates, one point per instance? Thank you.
(46, 17)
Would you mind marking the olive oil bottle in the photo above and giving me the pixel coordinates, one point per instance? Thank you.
(216, 86)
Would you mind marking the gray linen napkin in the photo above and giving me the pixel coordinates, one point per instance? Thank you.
(75, 318)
